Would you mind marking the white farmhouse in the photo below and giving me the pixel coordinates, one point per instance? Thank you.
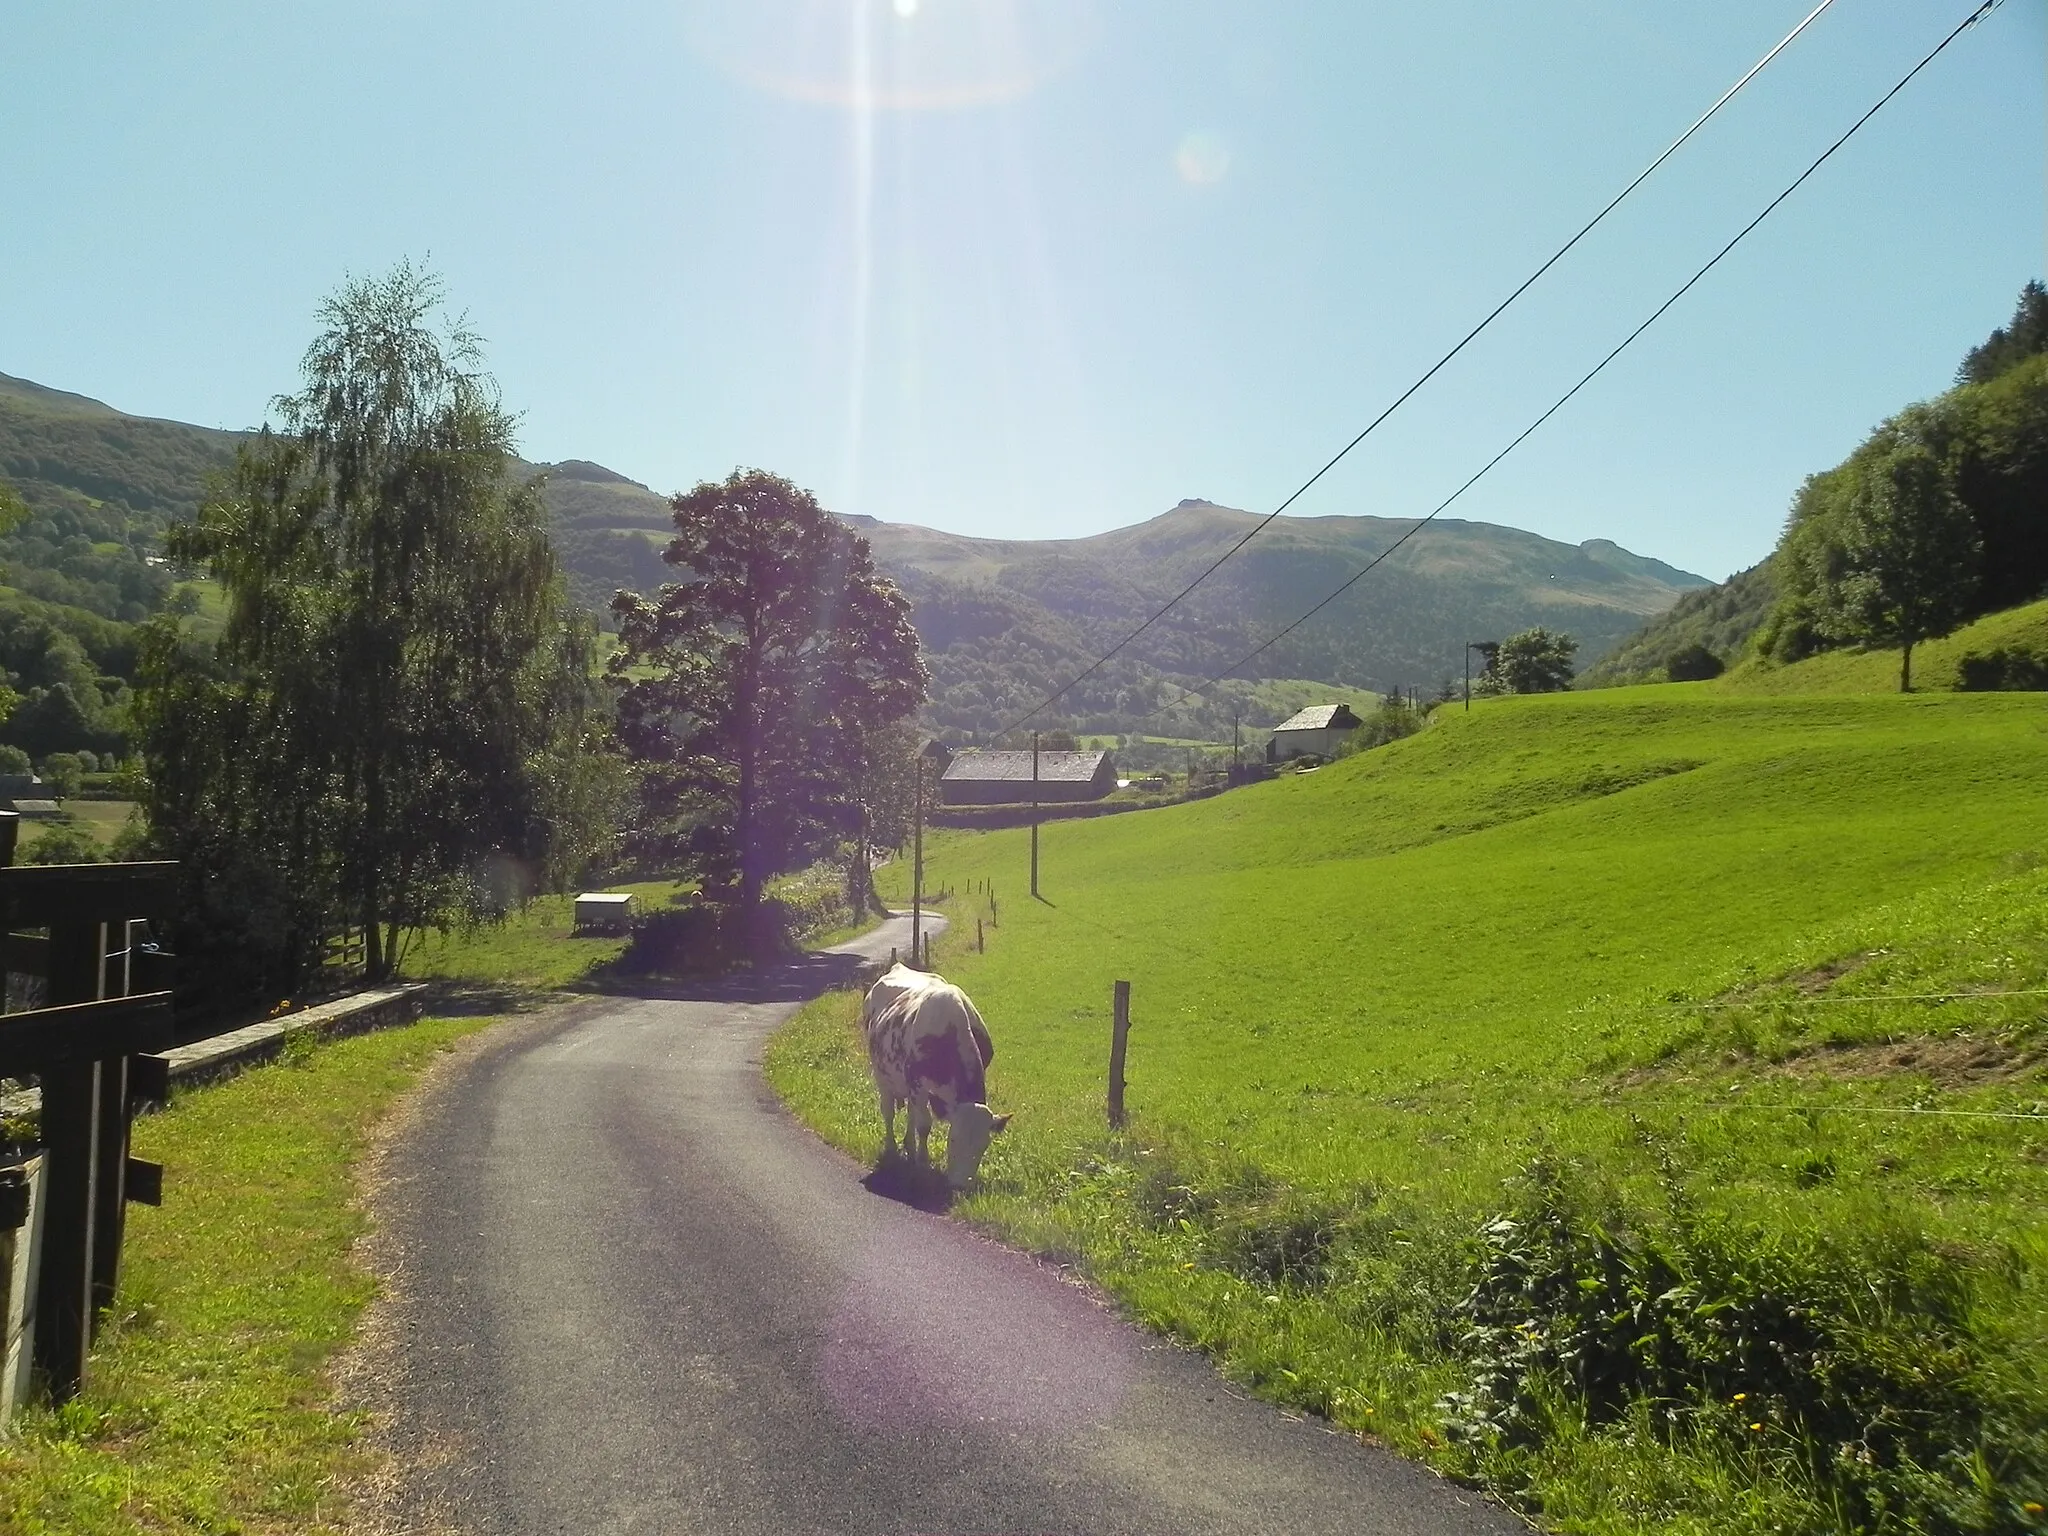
(1319, 729)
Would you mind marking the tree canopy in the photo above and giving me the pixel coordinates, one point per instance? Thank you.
(391, 729)
(1885, 552)
(755, 692)
(1534, 661)
(2024, 336)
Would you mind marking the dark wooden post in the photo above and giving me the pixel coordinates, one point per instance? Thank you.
(71, 1140)
(110, 1185)
(1119, 1036)
(980, 939)
(917, 865)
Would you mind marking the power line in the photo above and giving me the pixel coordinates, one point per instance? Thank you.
(1598, 368)
(1528, 282)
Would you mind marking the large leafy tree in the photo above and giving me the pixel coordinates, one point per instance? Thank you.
(1534, 661)
(1890, 556)
(757, 691)
(391, 728)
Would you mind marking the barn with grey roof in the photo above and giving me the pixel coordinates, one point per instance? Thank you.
(1004, 778)
(1319, 729)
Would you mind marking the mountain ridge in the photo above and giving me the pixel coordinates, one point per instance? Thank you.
(1005, 620)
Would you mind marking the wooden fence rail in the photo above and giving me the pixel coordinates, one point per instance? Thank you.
(107, 1010)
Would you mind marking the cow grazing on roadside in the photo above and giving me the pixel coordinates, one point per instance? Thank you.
(930, 1050)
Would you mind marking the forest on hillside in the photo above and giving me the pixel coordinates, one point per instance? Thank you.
(1856, 547)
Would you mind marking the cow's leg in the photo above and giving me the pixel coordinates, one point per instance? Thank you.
(920, 1129)
(889, 1103)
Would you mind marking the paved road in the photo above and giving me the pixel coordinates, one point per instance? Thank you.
(637, 1297)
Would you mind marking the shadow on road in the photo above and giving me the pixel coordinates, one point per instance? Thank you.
(789, 981)
(923, 1189)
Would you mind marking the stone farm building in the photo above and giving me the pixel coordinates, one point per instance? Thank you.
(1320, 729)
(1004, 778)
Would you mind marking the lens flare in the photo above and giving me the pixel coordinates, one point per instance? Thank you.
(1202, 160)
(861, 53)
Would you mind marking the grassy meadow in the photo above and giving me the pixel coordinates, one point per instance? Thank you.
(1630, 1100)
(536, 947)
(208, 1404)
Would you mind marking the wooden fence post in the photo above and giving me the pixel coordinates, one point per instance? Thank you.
(1120, 1030)
(980, 939)
(71, 1140)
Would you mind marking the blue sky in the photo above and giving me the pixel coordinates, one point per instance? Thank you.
(1061, 263)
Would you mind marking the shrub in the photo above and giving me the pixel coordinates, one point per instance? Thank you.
(64, 842)
(1693, 664)
(13, 760)
(2003, 671)
(1861, 1357)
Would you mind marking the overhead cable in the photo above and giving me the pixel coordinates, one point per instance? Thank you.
(1399, 400)
(1529, 431)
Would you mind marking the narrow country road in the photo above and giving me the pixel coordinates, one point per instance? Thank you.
(638, 1297)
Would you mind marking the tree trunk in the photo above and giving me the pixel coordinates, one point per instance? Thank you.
(1906, 668)
(373, 941)
(860, 880)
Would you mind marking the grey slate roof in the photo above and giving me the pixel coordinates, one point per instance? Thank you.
(1318, 717)
(1066, 767)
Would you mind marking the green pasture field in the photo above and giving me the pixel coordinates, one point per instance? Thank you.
(103, 818)
(1600, 1095)
(207, 1404)
(535, 948)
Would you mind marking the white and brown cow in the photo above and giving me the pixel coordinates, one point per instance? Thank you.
(929, 1049)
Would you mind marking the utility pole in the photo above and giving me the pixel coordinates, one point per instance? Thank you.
(917, 865)
(1236, 746)
(1034, 813)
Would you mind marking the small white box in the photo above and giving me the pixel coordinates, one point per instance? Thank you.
(604, 911)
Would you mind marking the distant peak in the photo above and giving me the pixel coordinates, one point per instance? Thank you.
(596, 474)
(858, 519)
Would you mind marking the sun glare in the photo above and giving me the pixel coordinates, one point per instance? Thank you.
(860, 53)
(1202, 160)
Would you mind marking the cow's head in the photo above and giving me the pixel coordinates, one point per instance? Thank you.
(972, 1127)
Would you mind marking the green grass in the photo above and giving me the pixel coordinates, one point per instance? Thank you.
(104, 819)
(1479, 974)
(206, 1406)
(536, 948)
(1937, 664)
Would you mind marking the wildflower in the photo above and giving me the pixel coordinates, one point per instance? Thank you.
(1741, 1397)
(1756, 1426)
(2030, 1506)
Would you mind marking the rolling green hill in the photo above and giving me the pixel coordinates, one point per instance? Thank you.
(1004, 620)
(1607, 1095)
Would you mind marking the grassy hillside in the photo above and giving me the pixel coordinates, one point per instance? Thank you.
(1596, 1094)
(1722, 618)
(2003, 651)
